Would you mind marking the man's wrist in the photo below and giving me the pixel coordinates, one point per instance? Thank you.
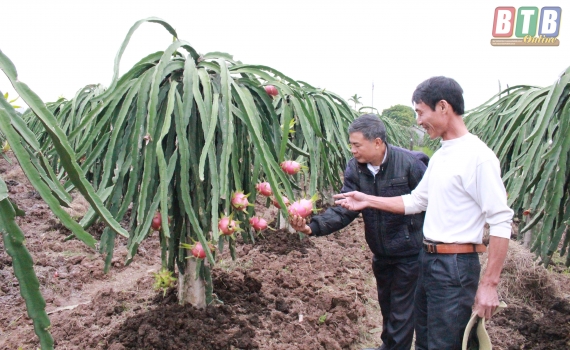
(314, 228)
(371, 201)
(489, 282)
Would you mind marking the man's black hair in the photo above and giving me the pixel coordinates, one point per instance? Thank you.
(370, 126)
(436, 89)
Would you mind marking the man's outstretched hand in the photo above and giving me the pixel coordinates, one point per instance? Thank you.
(299, 224)
(354, 200)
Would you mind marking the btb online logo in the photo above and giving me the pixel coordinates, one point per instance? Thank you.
(530, 26)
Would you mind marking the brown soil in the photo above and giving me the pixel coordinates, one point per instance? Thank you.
(538, 299)
(280, 293)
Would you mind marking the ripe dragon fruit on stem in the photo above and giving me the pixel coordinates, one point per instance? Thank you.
(276, 203)
(264, 188)
(291, 167)
(302, 207)
(271, 90)
(197, 249)
(297, 209)
(239, 201)
(156, 223)
(258, 224)
(228, 226)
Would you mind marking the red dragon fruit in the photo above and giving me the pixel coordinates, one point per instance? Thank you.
(271, 90)
(264, 188)
(290, 167)
(296, 208)
(302, 207)
(239, 200)
(258, 224)
(307, 204)
(228, 226)
(198, 251)
(276, 203)
(156, 221)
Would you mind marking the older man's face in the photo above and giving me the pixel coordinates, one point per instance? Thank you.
(365, 151)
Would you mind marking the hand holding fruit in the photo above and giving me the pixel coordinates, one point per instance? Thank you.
(299, 224)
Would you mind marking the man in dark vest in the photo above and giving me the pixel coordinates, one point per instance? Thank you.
(381, 169)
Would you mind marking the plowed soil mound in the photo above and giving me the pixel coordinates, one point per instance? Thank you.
(276, 299)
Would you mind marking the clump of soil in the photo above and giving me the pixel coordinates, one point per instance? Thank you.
(171, 326)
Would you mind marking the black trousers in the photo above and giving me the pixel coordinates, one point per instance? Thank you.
(446, 292)
(396, 283)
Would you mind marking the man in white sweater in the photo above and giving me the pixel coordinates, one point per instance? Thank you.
(460, 191)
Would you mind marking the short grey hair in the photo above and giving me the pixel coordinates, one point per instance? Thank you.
(371, 127)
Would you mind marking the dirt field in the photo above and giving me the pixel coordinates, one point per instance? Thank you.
(281, 293)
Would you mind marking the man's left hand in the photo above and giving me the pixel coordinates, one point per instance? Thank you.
(486, 301)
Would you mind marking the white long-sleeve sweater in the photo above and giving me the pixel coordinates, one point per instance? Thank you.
(460, 191)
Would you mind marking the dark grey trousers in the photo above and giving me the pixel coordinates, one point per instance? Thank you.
(444, 297)
(396, 283)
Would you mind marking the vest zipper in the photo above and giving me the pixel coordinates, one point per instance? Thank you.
(379, 215)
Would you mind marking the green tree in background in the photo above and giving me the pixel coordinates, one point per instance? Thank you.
(355, 99)
(404, 115)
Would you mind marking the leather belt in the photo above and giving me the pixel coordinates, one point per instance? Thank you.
(453, 248)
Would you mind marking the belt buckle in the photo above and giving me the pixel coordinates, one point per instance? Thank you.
(431, 247)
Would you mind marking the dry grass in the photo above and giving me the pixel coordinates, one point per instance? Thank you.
(523, 279)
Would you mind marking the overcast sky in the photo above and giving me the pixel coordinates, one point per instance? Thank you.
(344, 46)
